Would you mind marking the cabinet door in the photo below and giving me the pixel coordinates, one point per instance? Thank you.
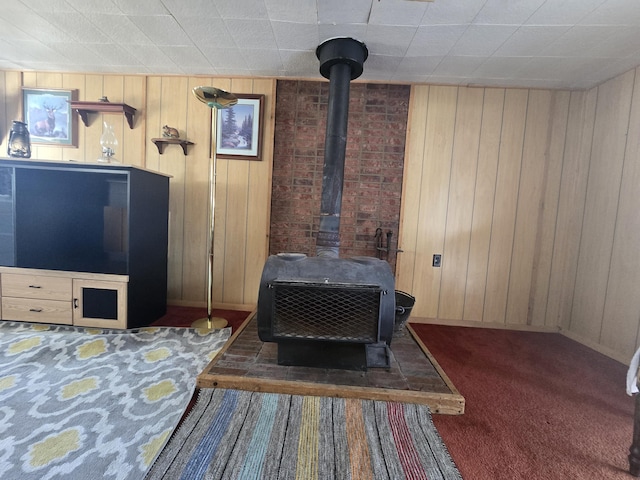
(98, 303)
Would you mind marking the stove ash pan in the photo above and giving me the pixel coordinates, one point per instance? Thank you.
(328, 312)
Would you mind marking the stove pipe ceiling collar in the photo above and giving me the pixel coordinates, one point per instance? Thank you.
(341, 60)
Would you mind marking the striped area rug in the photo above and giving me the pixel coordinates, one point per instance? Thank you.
(232, 434)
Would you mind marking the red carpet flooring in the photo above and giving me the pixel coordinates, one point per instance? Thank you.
(538, 405)
(185, 316)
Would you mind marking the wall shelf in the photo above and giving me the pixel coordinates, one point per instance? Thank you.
(85, 108)
(163, 142)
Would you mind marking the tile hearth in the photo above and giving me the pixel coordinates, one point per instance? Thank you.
(247, 363)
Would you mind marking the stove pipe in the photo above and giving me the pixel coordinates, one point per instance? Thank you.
(341, 61)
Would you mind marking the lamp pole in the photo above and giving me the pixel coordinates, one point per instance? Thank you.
(215, 99)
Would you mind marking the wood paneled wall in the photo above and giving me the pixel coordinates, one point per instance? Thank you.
(481, 184)
(605, 305)
(243, 191)
(532, 198)
(243, 194)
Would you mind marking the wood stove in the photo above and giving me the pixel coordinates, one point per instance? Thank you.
(326, 311)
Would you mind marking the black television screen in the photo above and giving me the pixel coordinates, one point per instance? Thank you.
(68, 220)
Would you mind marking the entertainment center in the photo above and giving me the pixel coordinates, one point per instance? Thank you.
(83, 244)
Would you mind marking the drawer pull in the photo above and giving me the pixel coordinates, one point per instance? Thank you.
(35, 286)
(75, 303)
(36, 310)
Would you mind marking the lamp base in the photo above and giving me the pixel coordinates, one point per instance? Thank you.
(216, 323)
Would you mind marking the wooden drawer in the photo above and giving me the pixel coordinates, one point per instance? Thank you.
(36, 286)
(38, 311)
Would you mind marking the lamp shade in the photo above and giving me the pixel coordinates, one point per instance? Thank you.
(215, 97)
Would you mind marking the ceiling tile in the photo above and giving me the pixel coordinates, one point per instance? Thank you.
(192, 8)
(151, 56)
(79, 26)
(418, 65)
(341, 12)
(326, 31)
(562, 12)
(262, 59)
(141, 7)
(501, 67)
(162, 30)
(86, 6)
(37, 51)
(185, 56)
(529, 40)
(251, 33)
(435, 40)
(295, 36)
(614, 12)
(233, 72)
(388, 40)
(397, 12)
(130, 70)
(452, 13)
(512, 12)
(298, 62)
(623, 42)
(447, 80)
(119, 28)
(299, 11)
(10, 31)
(458, 66)
(242, 9)
(113, 54)
(482, 40)
(47, 6)
(207, 31)
(578, 41)
(76, 52)
(614, 68)
(7, 64)
(225, 58)
(35, 26)
(512, 82)
(561, 67)
(381, 66)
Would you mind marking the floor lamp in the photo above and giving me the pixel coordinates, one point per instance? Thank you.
(215, 99)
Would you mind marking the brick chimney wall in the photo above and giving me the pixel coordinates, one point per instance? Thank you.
(373, 167)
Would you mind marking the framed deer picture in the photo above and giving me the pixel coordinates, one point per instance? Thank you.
(49, 117)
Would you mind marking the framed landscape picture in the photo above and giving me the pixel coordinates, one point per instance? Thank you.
(49, 117)
(239, 129)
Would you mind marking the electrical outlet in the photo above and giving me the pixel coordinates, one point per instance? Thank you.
(437, 260)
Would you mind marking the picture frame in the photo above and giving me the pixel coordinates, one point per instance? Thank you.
(49, 117)
(239, 129)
